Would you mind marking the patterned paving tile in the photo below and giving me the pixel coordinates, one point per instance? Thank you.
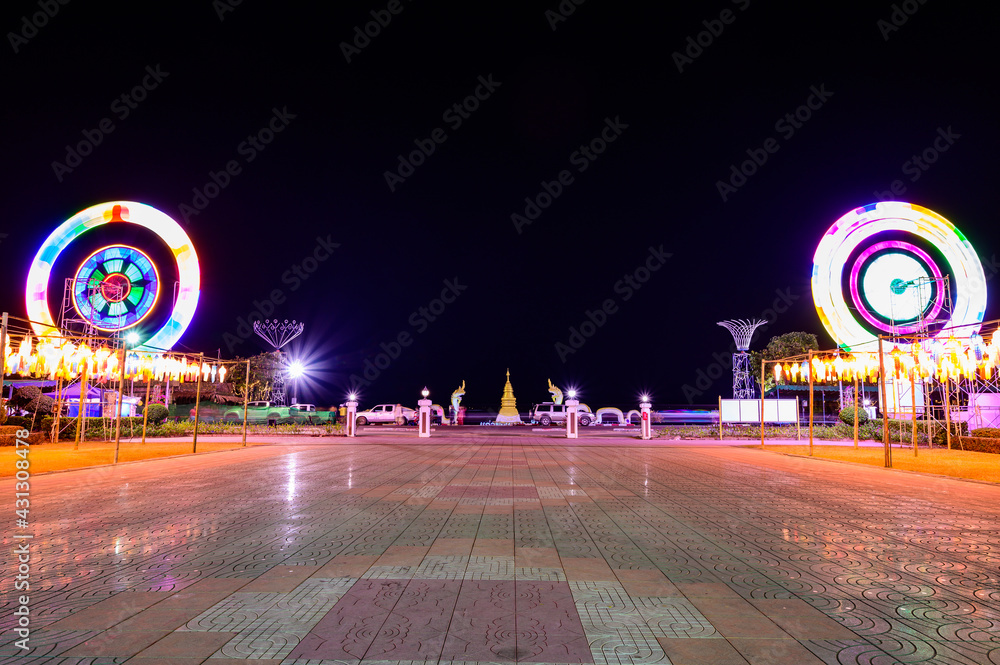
(269, 625)
(898, 568)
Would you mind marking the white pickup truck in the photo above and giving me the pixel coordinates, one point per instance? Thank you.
(387, 413)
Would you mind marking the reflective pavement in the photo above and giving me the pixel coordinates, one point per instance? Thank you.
(506, 549)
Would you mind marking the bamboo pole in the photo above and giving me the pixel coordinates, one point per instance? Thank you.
(763, 364)
(54, 434)
(810, 402)
(81, 418)
(3, 364)
(121, 398)
(885, 408)
(927, 414)
(145, 410)
(197, 404)
(857, 401)
(246, 406)
(913, 404)
(947, 411)
(798, 420)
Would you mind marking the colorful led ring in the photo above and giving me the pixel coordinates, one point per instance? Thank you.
(860, 228)
(129, 212)
(116, 287)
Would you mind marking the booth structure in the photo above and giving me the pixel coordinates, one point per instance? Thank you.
(97, 403)
(780, 411)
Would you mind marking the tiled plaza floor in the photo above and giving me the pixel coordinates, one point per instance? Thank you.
(505, 549)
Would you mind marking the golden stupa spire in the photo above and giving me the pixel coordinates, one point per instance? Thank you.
(508, 404)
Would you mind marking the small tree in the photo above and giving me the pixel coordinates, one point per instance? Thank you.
(263, 368)
(157, 413)
(782, 346)
(32, 400)
(847, 415)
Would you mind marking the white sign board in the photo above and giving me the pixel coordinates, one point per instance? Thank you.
(748, 411)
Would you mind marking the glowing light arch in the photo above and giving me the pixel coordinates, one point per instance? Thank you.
(128, 212)
(861, 229)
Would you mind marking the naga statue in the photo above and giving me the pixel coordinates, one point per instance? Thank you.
(456, 400)
(557, 396)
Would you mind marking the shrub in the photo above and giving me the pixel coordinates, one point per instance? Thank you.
(982, 444)
(19, 421)
(98, 429)
(157, 413)
(986, 433)
(847, 416)
(33, 439)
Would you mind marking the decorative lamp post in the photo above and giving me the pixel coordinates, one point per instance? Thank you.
(572, 424)
(742, 332)
(278, 334)
(645, 422)
(352, 415)
(425, 414)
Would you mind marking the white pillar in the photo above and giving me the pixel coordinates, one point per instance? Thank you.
(352, 418)
(572, 419)
(424, 418)
(645, 421)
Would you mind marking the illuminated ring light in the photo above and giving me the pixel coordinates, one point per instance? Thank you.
(127, 212)
(116, 288)
(880, 251)
(877, 279)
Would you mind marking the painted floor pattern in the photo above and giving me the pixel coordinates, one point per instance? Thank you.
(502, 550)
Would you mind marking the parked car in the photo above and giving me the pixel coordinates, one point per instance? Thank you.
(547, 413)
(387, 413)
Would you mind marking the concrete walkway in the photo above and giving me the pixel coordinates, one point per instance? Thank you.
(505, 549)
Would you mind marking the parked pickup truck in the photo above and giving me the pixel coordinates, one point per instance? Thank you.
(265, 412)
(387, 413)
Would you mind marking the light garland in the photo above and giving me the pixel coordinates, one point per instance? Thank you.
(934, 359)
(63, 359)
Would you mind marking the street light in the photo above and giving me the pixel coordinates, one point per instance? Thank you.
(132, 338)
(425, 392)
(295, 371)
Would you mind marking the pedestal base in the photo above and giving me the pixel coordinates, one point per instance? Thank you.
(509, 420)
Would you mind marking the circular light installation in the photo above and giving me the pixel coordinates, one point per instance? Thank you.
(118, 212)
(881, 269)
(115, 287)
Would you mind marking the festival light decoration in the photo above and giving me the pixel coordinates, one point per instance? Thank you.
(48, 358)
(128, 212)
(952, 361)
(875, 255)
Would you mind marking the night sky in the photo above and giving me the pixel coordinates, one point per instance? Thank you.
(372, 176)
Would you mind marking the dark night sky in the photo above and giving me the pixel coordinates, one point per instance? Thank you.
(655, 185)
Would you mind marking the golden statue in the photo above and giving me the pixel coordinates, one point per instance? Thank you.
(456, 400)
(508, 405)
(557, 395)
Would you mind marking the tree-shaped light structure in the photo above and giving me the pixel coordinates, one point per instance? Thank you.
(278, 334)
(742, 332)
